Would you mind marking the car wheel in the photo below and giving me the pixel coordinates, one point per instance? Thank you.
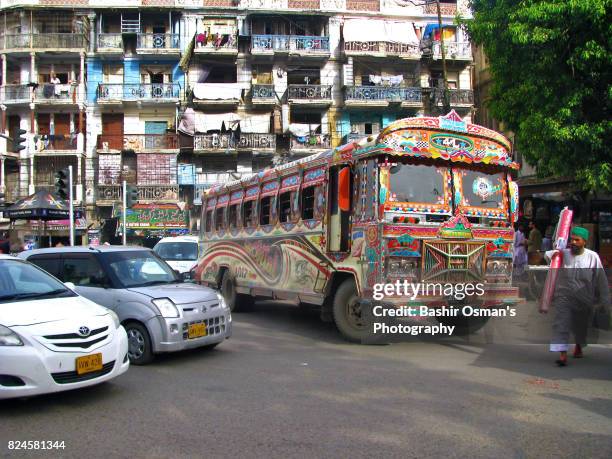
(209, 347)
(139, 344)
(235, 302)
(348, 313)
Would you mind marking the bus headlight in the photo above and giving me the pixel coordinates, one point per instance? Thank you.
(403, 267)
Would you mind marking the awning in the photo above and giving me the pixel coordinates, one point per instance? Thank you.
(303, 130)
(364, 30)
(217, 91)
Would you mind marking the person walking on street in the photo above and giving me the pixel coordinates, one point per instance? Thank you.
(534, 244)
(581, 280)
(520, 252)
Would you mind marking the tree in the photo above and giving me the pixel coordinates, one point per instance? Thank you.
(550, 65)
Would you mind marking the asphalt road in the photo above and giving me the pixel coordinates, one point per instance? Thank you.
(286, 385)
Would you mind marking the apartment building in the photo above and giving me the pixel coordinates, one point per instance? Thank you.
(175, 95)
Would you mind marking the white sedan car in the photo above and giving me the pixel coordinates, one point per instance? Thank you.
(52, 339)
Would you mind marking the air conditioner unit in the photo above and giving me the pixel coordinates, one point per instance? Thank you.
(105, 146)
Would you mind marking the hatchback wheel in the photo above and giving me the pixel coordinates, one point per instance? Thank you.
(139, 344)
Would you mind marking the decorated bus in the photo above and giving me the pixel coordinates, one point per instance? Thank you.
(428, 200)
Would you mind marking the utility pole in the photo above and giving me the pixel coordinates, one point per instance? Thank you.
(124, 213)
(445, 94)
(70, 206)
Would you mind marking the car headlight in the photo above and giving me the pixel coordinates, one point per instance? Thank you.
(222, 302)
(166, 307)
(8, 337)
(115, 318)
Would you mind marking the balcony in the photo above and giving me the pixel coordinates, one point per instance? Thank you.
(110, 43)
(44, 41)
(138, 143)
(311, 144)
(55, 144)
(158, 43)
(225, 143)
(108, 194)
(309, 94)
(57, 94)
(17, 94)
(304, 4)
(304, 46)
(377, 96)
(459, 98)
(446, 9)
(382, 49)
(263, 94)
(227, 48)
(112, 93)
(454, 50)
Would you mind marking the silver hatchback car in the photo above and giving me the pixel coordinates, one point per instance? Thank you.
(159, 312)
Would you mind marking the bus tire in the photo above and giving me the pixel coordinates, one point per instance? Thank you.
(464, 325)
(347, 313)
(235, 302)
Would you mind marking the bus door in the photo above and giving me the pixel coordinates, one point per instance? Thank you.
(339, 198)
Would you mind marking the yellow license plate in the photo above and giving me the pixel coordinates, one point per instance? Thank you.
(88, 363)
(197, 330)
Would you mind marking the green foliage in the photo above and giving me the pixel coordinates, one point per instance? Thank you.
(550, 63)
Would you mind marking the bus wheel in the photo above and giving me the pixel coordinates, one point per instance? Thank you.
(348, 314)
(234, 301)
(464, 325)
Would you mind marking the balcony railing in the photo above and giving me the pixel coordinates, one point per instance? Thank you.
(158, 41)
(311, 142)
(382, 47)
(363, 5)
(57, 92)
(17, 93)
(458, 97)
(304, 4)
(145, 192)
(138, 142)
(447, 9)
(43, 41)
(263, 92)
(129, 92)
(383, 94)
(48, 143)
(311, 92)
(294, 43)
(452, 49)
(354, 137)
(110, 41)
(203, 45)
(224, 142)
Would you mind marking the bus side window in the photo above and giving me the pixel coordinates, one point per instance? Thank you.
(233, 216)
(284, 205)
(247, 214)
(219, 220)
(264, 210)
(209, 215)
(308, 203)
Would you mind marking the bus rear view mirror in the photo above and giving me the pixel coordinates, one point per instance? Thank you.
(344, 189)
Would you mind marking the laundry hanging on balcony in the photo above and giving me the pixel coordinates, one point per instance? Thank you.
(432, 32)
(367, 30)
(217, 91)
(187, 123)
(205, 122)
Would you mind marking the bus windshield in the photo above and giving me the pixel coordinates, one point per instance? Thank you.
(480, 189)
(417, 183)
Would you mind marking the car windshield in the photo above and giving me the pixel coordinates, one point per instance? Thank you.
(177, 251)
(23, 281)
(417, 183)
(139, 268)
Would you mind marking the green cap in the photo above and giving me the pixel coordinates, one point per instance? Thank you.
(580, 232)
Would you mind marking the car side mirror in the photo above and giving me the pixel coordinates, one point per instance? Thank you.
(70, 285)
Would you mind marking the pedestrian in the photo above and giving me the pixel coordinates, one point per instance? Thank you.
(580, 281)
(547, 239)
(533, 244)
(5, 244)
(520, 251)
(59, 244)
